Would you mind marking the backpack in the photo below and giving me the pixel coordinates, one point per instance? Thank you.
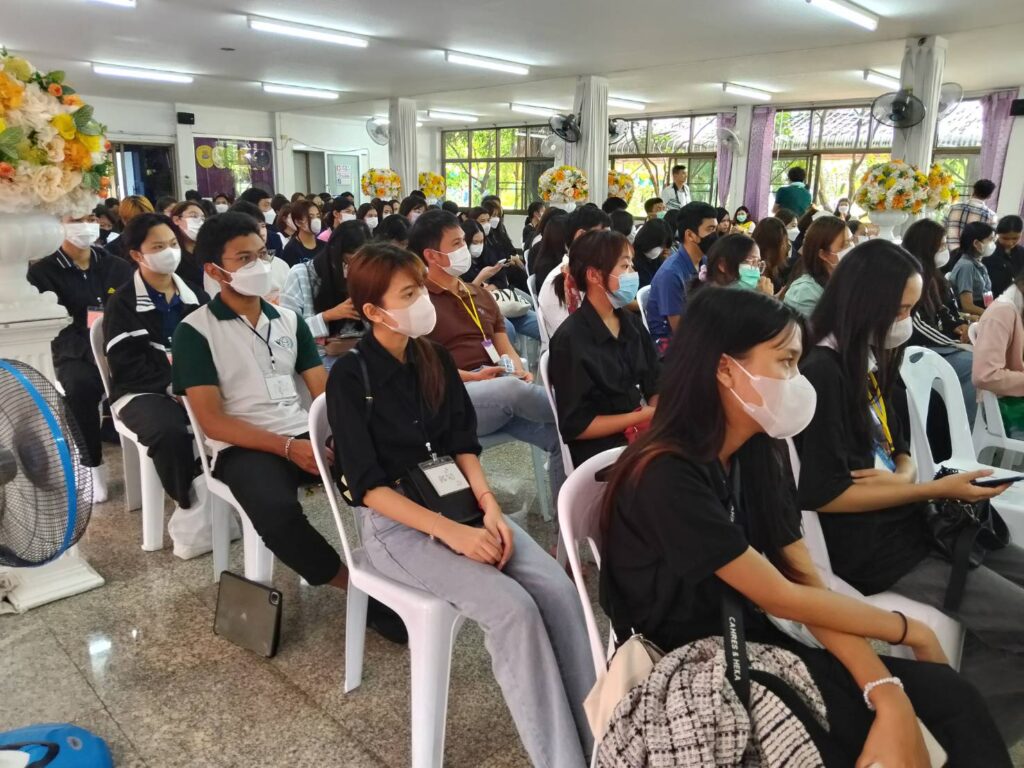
(56, 745)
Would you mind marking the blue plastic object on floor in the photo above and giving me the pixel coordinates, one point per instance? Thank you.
(58, 745)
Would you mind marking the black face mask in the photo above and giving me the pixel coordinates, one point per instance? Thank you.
(707, 242)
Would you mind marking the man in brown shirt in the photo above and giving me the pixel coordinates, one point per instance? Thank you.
(471, 327)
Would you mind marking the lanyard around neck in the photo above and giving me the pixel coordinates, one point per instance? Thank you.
(470, 308)
(266, 341)
(878, 408)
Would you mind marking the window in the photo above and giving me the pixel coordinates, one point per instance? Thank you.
(494, 161)
(651, 146)
(838, 144)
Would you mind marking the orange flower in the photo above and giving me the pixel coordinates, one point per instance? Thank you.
(11, 92)
(106, 146)
(55, 90)
(73, 100)
(6, 171)
(104, 181)
(77, 156)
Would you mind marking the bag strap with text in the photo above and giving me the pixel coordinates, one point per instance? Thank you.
(734, 637)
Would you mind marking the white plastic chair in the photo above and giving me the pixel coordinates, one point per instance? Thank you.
(989, 430)
(566, 455)
(949, 632)
(142, 486)
(259, 561)
(923, 371)
(432, 623)
(537, 456)
(641, 299)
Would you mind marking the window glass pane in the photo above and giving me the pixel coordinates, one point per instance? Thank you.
(780, 166)
(457, 177)
(512, 142)
(647, 173)
(705, 133)
(840, 128)
(670, 136)
(535, 135)
(792, 129)
(510, 185)
(961, 128)
(702, 180)
(839, 176)
(881, 135)
(961, 167)
(483, 143)
(635, 141)
(482, 179)
(456, 144)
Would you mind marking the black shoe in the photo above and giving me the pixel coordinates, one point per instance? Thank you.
(386, 623)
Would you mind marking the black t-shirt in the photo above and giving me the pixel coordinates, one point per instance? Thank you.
(1003, 267)
(378, 453)
(668, 534)
(870, 550)
(296, 253)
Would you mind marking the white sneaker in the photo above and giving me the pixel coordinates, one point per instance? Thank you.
(99, 484)
(190, 529)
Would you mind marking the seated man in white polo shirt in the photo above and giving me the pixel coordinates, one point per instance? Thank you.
(237, 359)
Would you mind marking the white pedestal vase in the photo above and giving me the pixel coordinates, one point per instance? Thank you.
(567, 207)
(887, 221)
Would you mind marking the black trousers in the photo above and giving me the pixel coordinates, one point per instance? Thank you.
(162, 426)
(267, 487)
(83, 391)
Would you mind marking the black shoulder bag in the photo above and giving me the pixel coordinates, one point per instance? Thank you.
(963, 533)
(437, 484)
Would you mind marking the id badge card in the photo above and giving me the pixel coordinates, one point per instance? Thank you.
(280, 387)
(93, 315)
(491, 352)
(444, 476)
(883, 460)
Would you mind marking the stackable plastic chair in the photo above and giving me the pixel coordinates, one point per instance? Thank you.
(432, 623)
(259, 561)
(641, 299)
(566, 455)
(989, 430)
(142, 486)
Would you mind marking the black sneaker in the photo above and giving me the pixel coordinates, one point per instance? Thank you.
(386, 623)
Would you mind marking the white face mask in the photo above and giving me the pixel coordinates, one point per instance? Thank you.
(942, 258)
(899, 333)
(487, 227)
(476, 249)
(81, 234)
(495, 221)
(163, 262)
(460, 261)
(221, 207)
(844, 209)
(792, 232)
(653, 253)
(289, 224)
(269, 216)
(788, 404)
(314, 226)
(370, 222)
(418, 319)
(346, 216)
(254, 279)
(192, 227)
(987, 249)
(842, 254)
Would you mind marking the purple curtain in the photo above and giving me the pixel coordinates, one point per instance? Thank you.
(759, 161)
(995, 137)
(723, 158)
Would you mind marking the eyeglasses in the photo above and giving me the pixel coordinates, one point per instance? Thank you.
(247, 258)
(756, 263)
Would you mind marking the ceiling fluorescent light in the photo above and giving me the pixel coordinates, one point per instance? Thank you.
(384, 120)
(292, 90)
(848, 11)
(141, 74)
(307, 33)
(743, 90)
(119, 3)
(886, 81)
(529, 109)
(440, 114)
(632, 104)
(454, 57)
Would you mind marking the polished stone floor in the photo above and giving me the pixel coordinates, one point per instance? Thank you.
(137, 662)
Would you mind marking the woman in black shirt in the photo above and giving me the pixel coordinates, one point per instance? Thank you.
(493, 573)
(603, 366)
(304, 246)
(675, 534)
(652, 245)
(858, 474)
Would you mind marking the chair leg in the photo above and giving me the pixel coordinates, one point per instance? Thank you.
(430, 649)
(132, 475)
(355, 637)
(540, 479)
(152, 504)
(220, 518)
(259, 561)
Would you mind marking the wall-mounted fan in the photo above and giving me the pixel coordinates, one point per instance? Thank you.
(550, 145)
(950, 96)
(565, 127)
(731, 139)
(377, 131)
(899, 109)
(618, 129)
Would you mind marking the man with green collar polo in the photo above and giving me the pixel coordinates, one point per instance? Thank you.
(795, 196)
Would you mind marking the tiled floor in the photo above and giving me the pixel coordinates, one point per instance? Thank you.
(137, 662)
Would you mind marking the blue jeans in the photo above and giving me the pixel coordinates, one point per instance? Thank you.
(526, 325)
(961, 361)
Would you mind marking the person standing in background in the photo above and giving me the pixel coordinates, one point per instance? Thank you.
(676, 194)
(794, 195)
(974, 209)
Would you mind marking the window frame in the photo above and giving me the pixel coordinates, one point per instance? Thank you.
(498, 161)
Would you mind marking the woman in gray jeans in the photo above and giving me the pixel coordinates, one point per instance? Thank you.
(492, 572)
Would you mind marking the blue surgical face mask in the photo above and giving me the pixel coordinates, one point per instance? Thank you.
(629, 284)
(750, 276)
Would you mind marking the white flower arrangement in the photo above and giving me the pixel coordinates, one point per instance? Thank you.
(893, 186)
(381, 182)
(620, 185)
(564, 184)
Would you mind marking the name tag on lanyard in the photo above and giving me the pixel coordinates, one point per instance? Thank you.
(444, 475)
(883, 459)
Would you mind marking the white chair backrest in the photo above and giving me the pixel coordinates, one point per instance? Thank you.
(972, 332)
(923, 371)
(97, 342)
(200, 436)
(545, 337)
(641, 299)
(579, 519)
(319, 432)
(543, 368)
(531, 284)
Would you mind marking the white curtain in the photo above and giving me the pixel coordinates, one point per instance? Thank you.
(402, 142)
(590, 153)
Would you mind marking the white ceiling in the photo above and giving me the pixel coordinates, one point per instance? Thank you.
(673, 55)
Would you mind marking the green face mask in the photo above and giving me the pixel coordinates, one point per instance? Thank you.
(750, 276)
(661, 214)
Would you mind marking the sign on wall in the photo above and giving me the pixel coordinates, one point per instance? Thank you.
(233, 165)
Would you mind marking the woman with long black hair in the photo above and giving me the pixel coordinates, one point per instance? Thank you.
(694, 502)
(857, 472)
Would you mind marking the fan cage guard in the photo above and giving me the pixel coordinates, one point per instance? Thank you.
(45, 491)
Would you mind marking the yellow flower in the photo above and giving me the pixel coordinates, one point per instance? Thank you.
(92, 143)
(3, 125)
(11, 92)
(65, 125)
(17, 67)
